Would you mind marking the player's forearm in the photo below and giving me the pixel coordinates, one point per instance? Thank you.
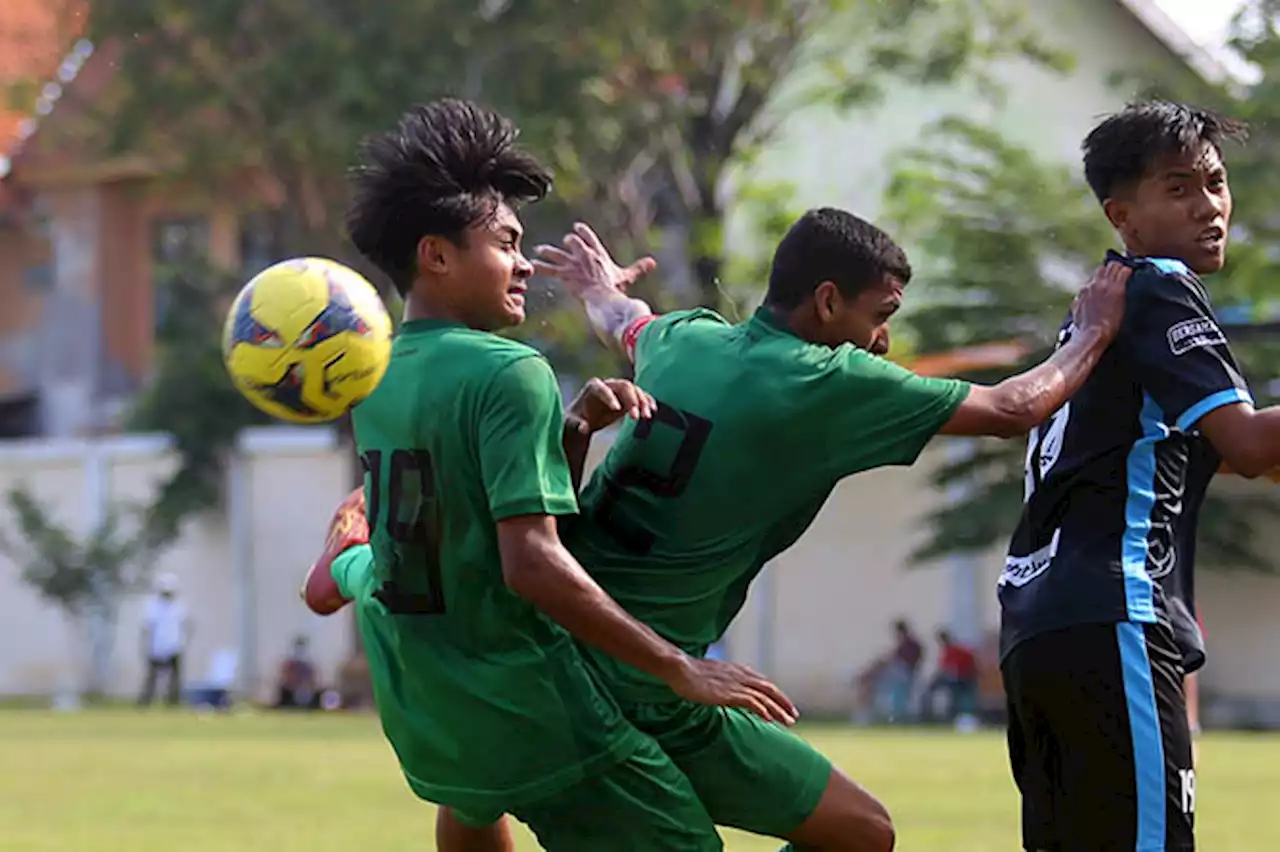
(552, 580)
(1029, 398)
(576, 444)
(611, 313)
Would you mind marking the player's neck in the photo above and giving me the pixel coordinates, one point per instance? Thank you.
(418, 308)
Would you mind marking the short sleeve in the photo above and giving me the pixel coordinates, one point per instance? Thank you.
(661, 328)
(352, 571)
(520, 432)
(1182, 357)
(881, 414)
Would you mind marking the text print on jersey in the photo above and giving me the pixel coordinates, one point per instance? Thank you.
(694, 433)
(1193, 334)
(412, 520)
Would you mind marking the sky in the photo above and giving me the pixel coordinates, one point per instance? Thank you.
(1204, 20)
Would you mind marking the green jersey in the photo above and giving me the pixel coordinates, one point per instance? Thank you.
(486, 702)
(753, 430)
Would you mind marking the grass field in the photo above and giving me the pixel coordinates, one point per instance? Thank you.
(146, 782)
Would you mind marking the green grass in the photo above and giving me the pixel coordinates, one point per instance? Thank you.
(145, 782)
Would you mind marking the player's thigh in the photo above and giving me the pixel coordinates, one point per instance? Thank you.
(749, 774)
(643, 804)
(1127, 781)
(1034, 759)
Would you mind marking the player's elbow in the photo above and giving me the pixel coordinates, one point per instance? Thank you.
(1002, 411)
(1247, 461)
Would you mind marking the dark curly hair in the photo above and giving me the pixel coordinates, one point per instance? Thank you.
(446, 167)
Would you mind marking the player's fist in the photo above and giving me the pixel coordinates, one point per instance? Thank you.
(320, 592)
(731, 685)
(603, 402)
(347, 528)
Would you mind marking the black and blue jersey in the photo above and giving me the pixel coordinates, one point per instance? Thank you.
(1116, 477)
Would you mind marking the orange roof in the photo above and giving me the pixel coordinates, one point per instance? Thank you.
(35, 36)
(985, 357)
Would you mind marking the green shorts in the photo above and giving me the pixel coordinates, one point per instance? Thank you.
(643, 804)
(749, 773)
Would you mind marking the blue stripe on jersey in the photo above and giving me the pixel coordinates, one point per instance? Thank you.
(1193, 414)
(1141, 474)
(1144, 728)
(1168, 265)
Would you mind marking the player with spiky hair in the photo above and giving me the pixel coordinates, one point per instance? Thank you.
(470, 607)
(1098, 593)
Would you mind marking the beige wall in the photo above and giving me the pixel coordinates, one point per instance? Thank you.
(294, 479)
(833, 594)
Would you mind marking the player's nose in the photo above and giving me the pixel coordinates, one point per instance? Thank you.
(523, 267)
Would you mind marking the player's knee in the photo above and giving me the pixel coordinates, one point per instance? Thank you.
(847, 819)
(874, 828)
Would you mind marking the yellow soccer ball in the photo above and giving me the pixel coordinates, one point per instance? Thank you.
(307, 339)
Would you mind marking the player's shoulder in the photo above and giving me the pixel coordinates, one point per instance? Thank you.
(693, 317)
(1162, 278)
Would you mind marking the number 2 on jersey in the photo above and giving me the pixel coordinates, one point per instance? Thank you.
(694, 433)
(411, 523)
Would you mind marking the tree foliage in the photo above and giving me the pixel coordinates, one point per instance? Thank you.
(643, 108)
(191, 397)
(71, 574)
(86, 578)
(1006, 240)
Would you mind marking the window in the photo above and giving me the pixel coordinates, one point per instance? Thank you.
(262, 241)
(175, 242)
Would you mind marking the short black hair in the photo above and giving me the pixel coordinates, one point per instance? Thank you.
(446, 167)
(1123, 149)
(827, 244)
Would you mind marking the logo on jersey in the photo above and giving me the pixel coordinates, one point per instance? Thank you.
(1020, 570)
(1193, 334)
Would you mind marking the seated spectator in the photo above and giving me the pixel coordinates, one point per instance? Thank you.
(298, 685)
(886, 686)
(956, 680)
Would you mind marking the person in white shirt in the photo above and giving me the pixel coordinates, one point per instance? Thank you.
(165, 633)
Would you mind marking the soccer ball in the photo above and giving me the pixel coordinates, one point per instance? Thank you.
(307, 339)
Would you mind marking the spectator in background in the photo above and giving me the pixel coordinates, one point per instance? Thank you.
(166, 630)
(956, 679)
(888, 684)
(298, 685)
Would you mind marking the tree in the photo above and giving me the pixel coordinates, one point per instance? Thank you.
(652, 111)
(645, 108)
(87, 579)
(1006, 240)
(192, 399)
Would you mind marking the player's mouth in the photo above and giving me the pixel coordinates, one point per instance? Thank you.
(1213, 238)
(516, 293)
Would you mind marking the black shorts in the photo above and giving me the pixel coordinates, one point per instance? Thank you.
(1098, 740)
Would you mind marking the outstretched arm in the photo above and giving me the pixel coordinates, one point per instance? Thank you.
(595, 279)
(1016, 405)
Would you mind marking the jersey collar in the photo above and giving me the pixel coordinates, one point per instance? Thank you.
(420, 325)
(766, 317)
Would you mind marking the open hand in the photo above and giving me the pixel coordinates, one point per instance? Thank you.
(731, 685)
(603, 402)
(584, 264)
(1100, 304)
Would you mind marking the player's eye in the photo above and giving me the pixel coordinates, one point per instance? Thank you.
(1178, 190)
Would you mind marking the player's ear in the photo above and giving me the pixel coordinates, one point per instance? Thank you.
(826, 300)
(1118, 211)
(433, 254)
